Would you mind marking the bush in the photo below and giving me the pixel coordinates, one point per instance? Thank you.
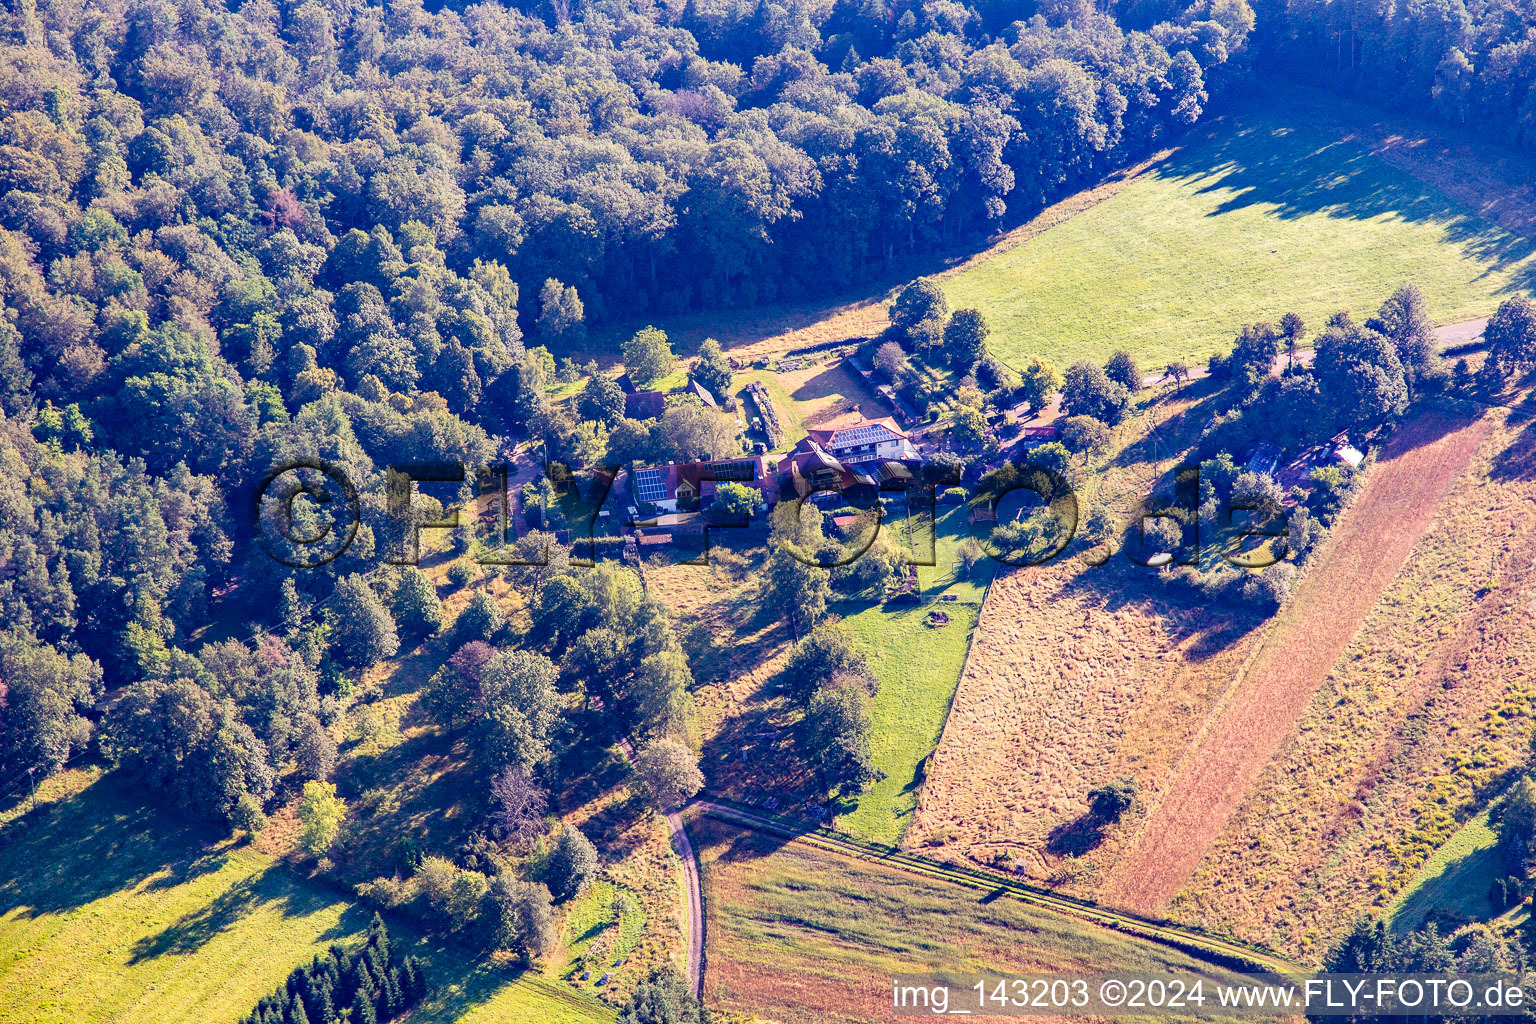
(1271, 586)
(571, 864)
(1161, 536)
(1122, 369)
(820, 655)
(462, 572)
(418, 612)
(663, 998)
(247, 815)
(1088, 391)
(524, 918)
(480, 619)
(1111, 801)
(1333, 488)
(671, 773)
(971, 552)
(320, 812)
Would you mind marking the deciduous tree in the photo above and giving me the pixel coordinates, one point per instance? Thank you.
(320, 813)
(670, 772)
(648, 356)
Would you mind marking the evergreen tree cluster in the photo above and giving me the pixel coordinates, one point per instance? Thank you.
(371, 986)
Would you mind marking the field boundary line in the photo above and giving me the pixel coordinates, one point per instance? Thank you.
(1238, 678)
(1369, 547)
(1223, 952)
(1267, 629)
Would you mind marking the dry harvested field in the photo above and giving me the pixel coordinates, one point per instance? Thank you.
(799, 935)
(1364, 554)
(1079, 676)
(1070, 684)
(1418, 722)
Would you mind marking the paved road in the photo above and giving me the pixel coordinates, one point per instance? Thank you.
(1197, 943)
(1460, 334)
(695, 922)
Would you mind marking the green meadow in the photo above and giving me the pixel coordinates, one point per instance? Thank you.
(1453, 885)
(918, 664)
(1270, 211)
(113, 911)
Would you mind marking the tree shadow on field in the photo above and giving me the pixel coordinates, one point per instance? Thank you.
(737, 844)
(1518, 459)
(425, 790)
(102, 840)
(106, 840)
(1077, 837)
(828, 381)
(179, 874)
(271, 888)
(1200, 627)
(453, 997)
(1295, 171)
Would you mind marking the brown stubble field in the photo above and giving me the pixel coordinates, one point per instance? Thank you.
(801, 935)
(1070, 684)
(1419, 721)
(1077, 679)
(1364, 553)
(1078, 675)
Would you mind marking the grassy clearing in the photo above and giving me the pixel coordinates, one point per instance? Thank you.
(112, 911)
(1275, 205)
(1454, 883)
(806, 936)
(791, 417)
(819, 394)
(918, 666)
(597, 935)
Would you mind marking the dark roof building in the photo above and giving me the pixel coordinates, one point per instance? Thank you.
(664, 486)
(702, 393)
(640, 405)
(644, 405)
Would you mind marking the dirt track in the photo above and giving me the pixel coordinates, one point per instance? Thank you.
(693, 910)
(1365, 553)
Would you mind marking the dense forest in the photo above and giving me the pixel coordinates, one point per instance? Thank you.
(653, 157)
(1465, 63)
(232, 236)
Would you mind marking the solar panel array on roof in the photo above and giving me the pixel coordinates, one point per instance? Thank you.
(862, 435)
(743, 471)
(650, 484)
